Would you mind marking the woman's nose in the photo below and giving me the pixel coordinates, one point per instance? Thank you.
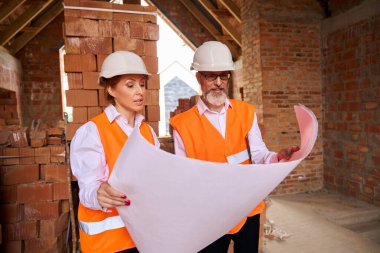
(139, 89)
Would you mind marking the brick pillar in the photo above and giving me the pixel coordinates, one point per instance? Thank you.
(92, 35)
(236, 88)
(281, 62)
(252, 82)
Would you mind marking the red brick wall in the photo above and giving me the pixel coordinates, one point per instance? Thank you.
(8, 108)
(281, 62)
(351, 86)
(10, 71)
(40, 80)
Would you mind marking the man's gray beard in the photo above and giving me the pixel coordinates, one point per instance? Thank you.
(216, 100)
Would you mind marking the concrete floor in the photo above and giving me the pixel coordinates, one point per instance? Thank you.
(324, 222)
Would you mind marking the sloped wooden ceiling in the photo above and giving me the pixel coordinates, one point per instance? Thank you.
(22, 20)
(203, 20)
(196, 20)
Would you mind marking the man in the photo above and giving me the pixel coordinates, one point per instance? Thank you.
(219, 129)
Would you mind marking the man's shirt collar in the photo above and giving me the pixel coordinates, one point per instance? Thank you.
(202, 107)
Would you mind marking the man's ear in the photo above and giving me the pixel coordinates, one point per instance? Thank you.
(198, 76)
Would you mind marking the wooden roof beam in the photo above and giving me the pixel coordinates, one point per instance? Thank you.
(38, 25)
(210, 27)
(25, 29)
(232, 8)
(222, 12)
(8, 7)
(22, 21)
(222, 21)
(172, 25)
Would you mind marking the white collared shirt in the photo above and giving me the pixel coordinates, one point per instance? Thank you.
(87, 157)
(259, 151)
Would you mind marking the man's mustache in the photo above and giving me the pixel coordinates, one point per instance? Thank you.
(216, 88)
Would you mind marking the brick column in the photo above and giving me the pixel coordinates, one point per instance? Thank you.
(92, 35)
(281, 62)
(252, 81)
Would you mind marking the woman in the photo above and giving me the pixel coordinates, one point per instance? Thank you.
(96, 146)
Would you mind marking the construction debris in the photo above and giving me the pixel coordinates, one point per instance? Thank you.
(272, 232)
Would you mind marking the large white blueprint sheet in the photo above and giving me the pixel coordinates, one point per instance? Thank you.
(181, 205)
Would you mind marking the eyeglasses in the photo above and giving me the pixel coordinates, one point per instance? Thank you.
(212, 77)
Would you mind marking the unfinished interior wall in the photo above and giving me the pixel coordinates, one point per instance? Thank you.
(10, 71)
(281, 65)
(351, 86)
(91, 35)
(40, 81)
(34, 203)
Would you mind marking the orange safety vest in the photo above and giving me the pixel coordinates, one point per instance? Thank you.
(204, 142)
(105, 231)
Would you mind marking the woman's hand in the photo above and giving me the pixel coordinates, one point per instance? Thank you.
(109, 197)
(286, 153)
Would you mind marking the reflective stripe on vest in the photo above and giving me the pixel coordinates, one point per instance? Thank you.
(238, 157)
(97, 227)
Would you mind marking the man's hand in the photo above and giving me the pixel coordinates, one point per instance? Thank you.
(286, 153)
(109, 197)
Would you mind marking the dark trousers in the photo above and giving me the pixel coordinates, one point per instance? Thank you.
(133, 250)
(245, 241)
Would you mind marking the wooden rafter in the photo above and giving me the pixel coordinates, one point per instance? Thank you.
(222, 21)
(222, 12)
(232, 8)
(22, 21)
(201, 18)
(8, 7)
(25, 29)
(209, 26)
(39, 24)
(172, 25)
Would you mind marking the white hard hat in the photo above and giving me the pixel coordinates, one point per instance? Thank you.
(121, 63)
(212, 56)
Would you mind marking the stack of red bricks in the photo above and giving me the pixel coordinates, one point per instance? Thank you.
(34, 203)
(184, 104)
(91, 35)
(167, 144)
